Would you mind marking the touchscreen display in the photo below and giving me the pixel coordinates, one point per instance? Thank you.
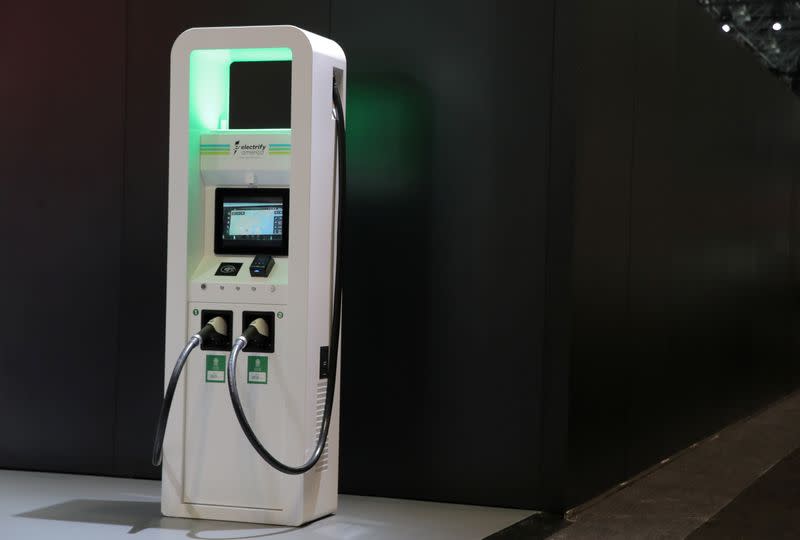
(251, 221)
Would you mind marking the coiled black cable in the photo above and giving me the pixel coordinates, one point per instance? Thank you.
(333, 349)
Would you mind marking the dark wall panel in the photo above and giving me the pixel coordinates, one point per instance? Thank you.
(149, 42)
(449, 128)
(60, 169)
(684, 315)
(559, 310)
(604, 146)
(710, 246)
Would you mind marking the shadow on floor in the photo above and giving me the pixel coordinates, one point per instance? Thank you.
(139, 515)
(536, 527)
(768, 508)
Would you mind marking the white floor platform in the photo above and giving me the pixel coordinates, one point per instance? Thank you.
(69, 507)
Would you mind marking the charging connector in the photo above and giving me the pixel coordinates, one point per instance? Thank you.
(257, 330)
(261, 327)
(216, 340)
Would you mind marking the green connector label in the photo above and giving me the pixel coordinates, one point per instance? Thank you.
(215, 368)
(257, 369)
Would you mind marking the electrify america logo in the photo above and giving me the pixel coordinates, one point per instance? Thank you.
(248, 150)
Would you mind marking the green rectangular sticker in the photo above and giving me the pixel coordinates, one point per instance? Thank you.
(257, 369)
(215, 368)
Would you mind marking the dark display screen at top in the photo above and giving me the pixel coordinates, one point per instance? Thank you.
(260, 95)
(251, 221)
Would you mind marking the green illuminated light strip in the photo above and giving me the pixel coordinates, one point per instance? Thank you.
(209, 82)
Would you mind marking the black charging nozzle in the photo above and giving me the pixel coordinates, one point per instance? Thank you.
(257, 328)
(217, 326)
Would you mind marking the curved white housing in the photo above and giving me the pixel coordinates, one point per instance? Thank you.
(209, 469)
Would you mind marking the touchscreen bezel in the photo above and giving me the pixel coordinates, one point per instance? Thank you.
(249, 247)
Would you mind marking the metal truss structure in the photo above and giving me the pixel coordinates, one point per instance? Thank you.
(771, 29)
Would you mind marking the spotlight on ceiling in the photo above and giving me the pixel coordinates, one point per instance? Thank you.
(777, 16)
(725, 18)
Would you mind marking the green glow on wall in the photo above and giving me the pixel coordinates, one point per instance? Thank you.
(389, 138)
(209, 81)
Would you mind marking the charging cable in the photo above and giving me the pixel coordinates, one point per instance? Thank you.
(260, 327)
(218, 326)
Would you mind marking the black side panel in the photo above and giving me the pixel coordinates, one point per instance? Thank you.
(152, 28)
(61, 173)
(449, 121)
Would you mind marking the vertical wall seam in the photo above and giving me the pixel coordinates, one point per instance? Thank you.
(792, 271)
(629, 231)
(122, 213)
(545, 369)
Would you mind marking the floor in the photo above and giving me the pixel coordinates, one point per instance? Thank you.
(68, 507)
(743, 482)
(766, 509)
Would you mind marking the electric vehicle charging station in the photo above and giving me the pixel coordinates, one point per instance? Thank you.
(256, 175)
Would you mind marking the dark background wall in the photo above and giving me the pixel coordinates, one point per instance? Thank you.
(449, 146)
(449, 164)
(481, 339)
(61, 174)
(686, 241)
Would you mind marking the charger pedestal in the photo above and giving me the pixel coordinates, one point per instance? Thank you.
(217, 168)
